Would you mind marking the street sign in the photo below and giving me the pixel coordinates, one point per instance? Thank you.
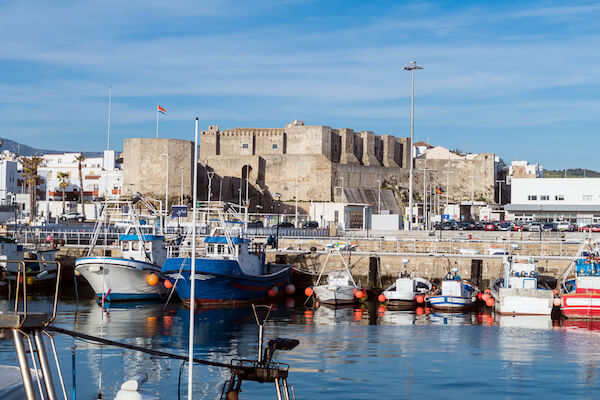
(179, 211)
(445, 217)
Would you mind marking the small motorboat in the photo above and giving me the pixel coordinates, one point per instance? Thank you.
(406, 289)
(518, 293)
(455, 294)
(39, 275)
(340, 287)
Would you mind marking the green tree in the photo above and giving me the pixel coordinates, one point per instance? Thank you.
(62, 177)
(30, 174)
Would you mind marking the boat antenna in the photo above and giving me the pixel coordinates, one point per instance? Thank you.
(193, 267)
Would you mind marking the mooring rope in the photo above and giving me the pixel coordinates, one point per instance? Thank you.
(136, 348)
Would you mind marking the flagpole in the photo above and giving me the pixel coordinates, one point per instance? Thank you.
(157, 121)
(109, 103)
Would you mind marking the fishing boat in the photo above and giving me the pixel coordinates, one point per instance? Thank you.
(581, 293)
(339, 287)
(136, 275)
(517, 293)
(231, 270)
(406, 288)
(39, 275)
(454, 294)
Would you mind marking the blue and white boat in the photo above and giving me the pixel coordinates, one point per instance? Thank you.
(455, 294)
(231, 270)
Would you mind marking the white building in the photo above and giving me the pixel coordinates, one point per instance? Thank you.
(342, 215)
(101, 177)
(523, 169)
(555, 199)
(8, 182)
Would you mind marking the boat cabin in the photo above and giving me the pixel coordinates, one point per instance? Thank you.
(522, 275)
(454, 286)
(249, 256)
(588, 275)
(148, 248)
(339, 278)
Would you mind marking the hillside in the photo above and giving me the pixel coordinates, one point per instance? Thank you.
(571, 173)
(24, 150)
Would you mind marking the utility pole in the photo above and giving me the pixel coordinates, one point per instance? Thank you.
(296, 197)
(425, 211)
(411, 67)
(500, 182)
(448, 186)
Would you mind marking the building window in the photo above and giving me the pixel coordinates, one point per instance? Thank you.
(275, 146)
(559, 197)
(532, 197)
(587, 197)
(544, 197)
(49, 175)
(244, 145)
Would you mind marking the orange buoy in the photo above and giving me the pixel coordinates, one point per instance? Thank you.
(152, 279)
(308, 291)
(420, 299)
(479, 295)
(168, 284)
(359, 294)
(557, 302)
(290, 289)
(381, 309)
(490, 302)
(419, 311)
(272, 292)
(555, 292)
(485, 297)
(381, 298)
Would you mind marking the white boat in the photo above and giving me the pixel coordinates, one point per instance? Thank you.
(406, 289)
(38, 274)
(136, 275)
(340, 287)
(11, 384)
(518, 293)
(455, 294)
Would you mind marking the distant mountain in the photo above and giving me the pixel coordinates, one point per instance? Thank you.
(24, 150)
(571, 173)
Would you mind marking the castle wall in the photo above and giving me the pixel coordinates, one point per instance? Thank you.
(368, 150)
(309, 140)
(145, 170)
(347, 145)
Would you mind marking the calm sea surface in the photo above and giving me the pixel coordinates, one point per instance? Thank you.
(344, 353)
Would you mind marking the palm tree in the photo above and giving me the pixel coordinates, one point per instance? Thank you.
(30, 174)
(62, 177)
(80, 158)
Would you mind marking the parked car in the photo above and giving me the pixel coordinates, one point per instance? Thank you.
(310, 225)
(448, 226)
(535, 227)
(517, 226)
(490, 226)
(72, 216)
(284, 225)
(565, 227)
(549, 227)
(589, 228)
(504, 226)
(478, 226)
(464, 226)
(256, 224)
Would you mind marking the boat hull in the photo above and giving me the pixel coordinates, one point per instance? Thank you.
(581, 305)
(523, 302)
(119, 279)
(450, 302)
(328, 294)
(222, 281)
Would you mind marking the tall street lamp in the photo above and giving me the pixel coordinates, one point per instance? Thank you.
(411, 67)
(166, 190)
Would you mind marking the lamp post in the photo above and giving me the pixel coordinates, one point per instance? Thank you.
(210, 174)
(500, 182)
(166, 190)
(425, 213)
(378, 196)
(342, 179)
(411, 67)
(296, 197)
(448, 186)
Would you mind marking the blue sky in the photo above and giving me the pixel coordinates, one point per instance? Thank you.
(520, 79)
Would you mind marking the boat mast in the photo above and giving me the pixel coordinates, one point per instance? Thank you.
(193, 267)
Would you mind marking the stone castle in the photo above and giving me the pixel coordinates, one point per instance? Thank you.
(312, 163)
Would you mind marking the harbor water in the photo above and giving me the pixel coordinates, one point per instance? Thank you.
(344, 353)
